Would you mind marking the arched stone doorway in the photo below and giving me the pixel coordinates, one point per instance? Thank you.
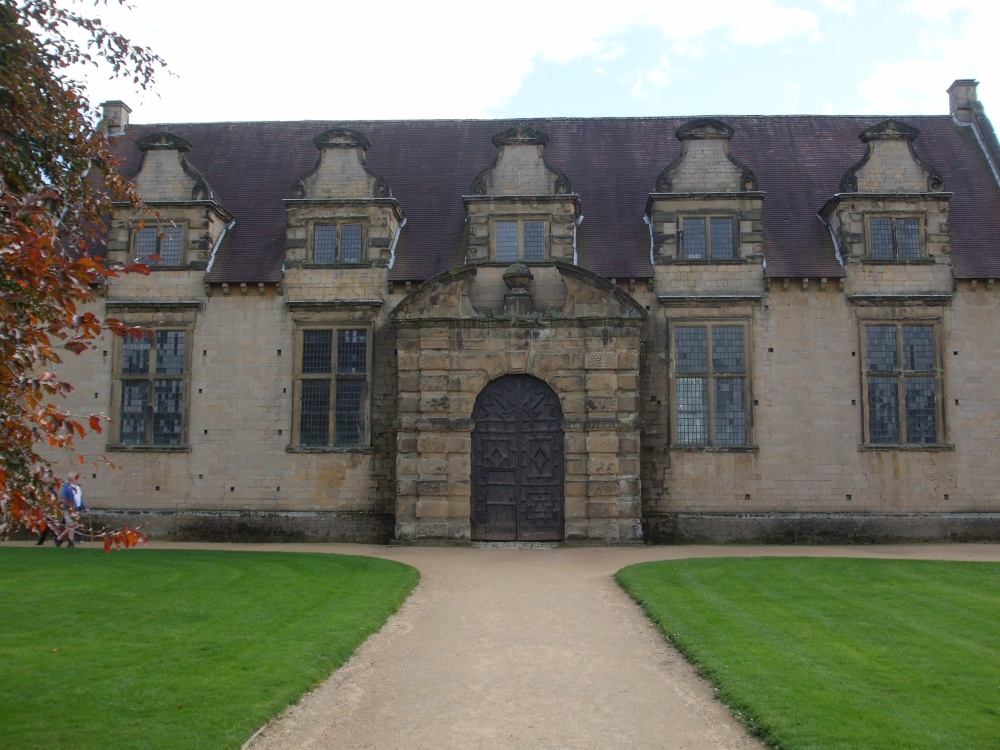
(517, 462)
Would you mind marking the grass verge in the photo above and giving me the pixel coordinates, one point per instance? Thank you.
(838, 654)
(175, 649)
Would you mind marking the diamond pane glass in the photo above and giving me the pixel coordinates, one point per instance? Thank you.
(921, 413)
(135, 355)
(171, 248)
(730, 413)
(167, 411)
(727, 349)
(908, 238)
(723, 246)
(506, 240)
(918, 348)
(132, 420)
(317, 352)
(350, 243)
(694, 239)
(883, 410)
(350, 398)
(170, 352)
(352, 352)
(146, 241)
(881, 348)
(691, 346)
(314, 421)
(692, 411)
(324, 243)
(882, 239)
(534, 240)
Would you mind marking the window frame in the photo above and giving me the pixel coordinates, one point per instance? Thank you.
(710, 376)
(150, 377)
(180, 225)
(895, 218)
(902, 374)
(332, 377)
(521, 221)
(339, 224)
(732, 218)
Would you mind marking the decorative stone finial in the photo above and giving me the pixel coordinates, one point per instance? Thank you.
(517, 276)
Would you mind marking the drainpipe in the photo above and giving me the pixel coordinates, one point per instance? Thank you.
(578, 222)
(218, 242)
(652, 246)
(395, 239)
(836, 245)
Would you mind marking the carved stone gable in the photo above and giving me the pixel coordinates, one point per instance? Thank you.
(890, 163)
(705, 164)
(520, 167)
(341, 171)
(166, 174)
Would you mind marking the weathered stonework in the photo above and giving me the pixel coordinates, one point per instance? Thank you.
(444, 328)
(448, 351)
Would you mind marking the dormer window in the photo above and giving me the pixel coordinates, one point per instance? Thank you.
(519, 240)
(338, 243)
(708, 238)
(159, 245)
(894, 238)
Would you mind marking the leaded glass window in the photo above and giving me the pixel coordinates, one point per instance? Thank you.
(902, 380)
(338, 243)
(333, 387)
(506, 241)
(153, 372)
(160, 245)
(516, 240)
(895, 238)
(710, 384)
(708, 238)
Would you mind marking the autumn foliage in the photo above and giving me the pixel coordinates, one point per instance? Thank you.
(59, 179)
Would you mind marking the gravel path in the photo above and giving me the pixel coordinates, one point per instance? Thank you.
(526, 648)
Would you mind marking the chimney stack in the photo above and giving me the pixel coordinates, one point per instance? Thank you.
(961, 98)
(114, 117)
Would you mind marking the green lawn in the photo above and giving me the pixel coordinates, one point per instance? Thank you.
(835, 653)
(175, 649)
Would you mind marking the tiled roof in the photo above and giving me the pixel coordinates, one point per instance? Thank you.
(612, 164)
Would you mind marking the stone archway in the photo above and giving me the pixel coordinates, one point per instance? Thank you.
(517, 462)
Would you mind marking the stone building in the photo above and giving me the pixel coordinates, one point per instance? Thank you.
(608, 329)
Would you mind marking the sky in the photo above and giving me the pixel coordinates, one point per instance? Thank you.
(306, 60)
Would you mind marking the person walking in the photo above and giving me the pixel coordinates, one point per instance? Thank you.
(72, 501)
(78, 506)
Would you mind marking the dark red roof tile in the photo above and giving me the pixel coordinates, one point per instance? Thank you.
(612, 164)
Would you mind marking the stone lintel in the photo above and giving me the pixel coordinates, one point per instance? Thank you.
(930, 299)
(687, 300)
(838, 198)
(145, 305)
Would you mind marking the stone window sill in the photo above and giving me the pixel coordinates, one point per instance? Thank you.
(367, 449)
(117, 448)
(925, 447)
(709, 262)
(341, 265)
(715, 448)
(899, 261)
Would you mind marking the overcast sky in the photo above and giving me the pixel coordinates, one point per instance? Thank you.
(306, 60)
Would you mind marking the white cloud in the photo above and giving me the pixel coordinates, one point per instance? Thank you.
(657, 77)
(955, 41)
(845, 7)
(316, 60)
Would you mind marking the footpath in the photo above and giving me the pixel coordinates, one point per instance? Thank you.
(526, 648)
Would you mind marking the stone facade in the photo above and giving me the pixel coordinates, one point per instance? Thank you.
(797, 350)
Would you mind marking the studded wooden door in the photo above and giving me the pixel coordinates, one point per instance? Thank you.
(517, 461)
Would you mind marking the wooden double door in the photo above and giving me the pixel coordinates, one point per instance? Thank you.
(517, 462)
